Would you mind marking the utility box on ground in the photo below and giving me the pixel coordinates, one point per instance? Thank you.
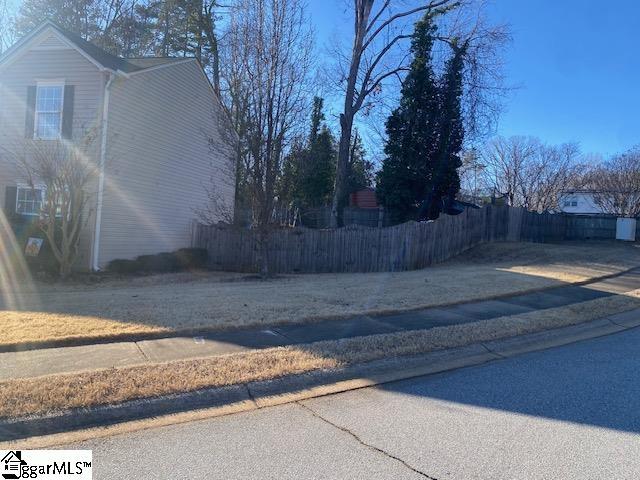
(626, 229)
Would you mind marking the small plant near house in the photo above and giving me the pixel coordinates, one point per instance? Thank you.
(63, 172)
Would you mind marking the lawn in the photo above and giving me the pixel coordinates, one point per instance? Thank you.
(138, 306)
(54, 393)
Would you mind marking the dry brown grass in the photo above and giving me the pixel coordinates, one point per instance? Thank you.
(162, 303)
(59, 392)
(28, 327)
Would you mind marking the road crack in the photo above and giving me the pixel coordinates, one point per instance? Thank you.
(365, 444)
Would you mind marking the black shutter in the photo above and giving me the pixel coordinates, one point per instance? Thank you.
(67, 112)
(10, 194)
(30, 114)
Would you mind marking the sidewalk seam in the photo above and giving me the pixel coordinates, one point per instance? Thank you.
(625, 327)
(144, 355)
(43, 438)
(251, 397)
(492, 351)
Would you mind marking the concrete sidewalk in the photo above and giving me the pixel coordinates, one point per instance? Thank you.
(90, 357)
(569, 413)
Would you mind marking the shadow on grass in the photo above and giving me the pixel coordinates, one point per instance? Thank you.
(68, 316)
(493, 393)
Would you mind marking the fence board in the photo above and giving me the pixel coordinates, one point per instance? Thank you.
(409, 246)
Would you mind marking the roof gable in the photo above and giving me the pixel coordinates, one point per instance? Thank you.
(50, 41)
(50, 36)
(46, 36)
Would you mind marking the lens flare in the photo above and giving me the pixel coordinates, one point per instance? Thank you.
(15, 278)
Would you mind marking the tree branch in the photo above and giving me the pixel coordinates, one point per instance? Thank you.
(395, 17)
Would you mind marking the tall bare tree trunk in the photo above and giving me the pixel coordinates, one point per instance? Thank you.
(363, 10)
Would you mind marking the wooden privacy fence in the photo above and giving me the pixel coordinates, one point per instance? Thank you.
(363, 249)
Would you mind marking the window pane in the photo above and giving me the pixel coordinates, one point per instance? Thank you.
(29, 201)
(49, 99)
(48, 111)
(48, 125)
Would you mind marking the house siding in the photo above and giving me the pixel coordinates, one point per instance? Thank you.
(51, 41)
(30, 67)
(159, 162)
(585, 204)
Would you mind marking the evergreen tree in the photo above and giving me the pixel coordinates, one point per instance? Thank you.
(412, 130)
(133, 28)
(445, 181)
(360, 169)
(319, 170)
(288, 189)
(308, 171)
(419, 177)
(317, 117)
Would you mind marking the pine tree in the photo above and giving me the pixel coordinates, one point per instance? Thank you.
(317, 117)
(319, 170)
(360, 169)
(288, 190)
(412, 131)
(445, 181)
(419, 177)
(308, 173)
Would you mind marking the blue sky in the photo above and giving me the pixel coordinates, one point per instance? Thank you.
(576, 64)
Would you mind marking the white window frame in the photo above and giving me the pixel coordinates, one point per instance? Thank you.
(49, 83)
(24, 186)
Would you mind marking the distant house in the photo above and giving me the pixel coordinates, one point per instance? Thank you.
(365, 198)
(579, 202)
(159, 139)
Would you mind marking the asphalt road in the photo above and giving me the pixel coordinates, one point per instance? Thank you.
(567, 413)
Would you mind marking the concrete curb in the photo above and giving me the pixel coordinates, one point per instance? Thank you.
(190, 332)
(83, 424)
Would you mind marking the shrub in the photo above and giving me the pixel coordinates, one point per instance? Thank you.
(123, 266)
(192, 257)
(183, 259)
(161, 262)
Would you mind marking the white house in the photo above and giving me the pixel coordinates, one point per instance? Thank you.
(579, 202)
(160, 140)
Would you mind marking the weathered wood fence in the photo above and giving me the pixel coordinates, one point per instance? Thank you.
(363, 249)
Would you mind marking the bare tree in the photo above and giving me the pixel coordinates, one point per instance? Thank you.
(222, 145)
(6, 26)
(506, 161)
(379, 54)
(207, 17)
(471, 176)
(271, 45)
(235, 95)
(616, 185)
(65, 173)
(554, 170)
(530, 174)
